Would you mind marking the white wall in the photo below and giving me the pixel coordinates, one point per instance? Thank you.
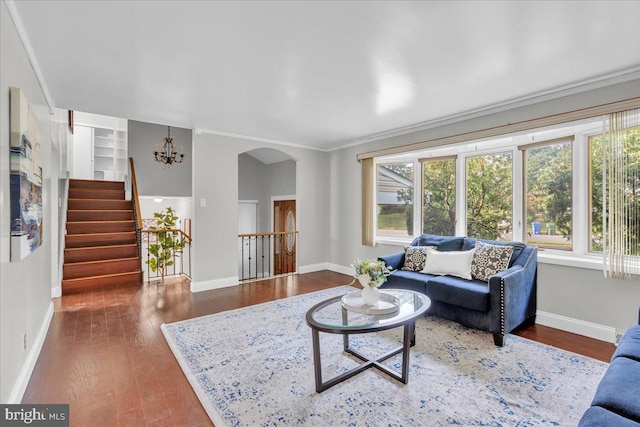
(215, 226)
(25, 286)
(575, 293)
(261, 182)
(182, 206)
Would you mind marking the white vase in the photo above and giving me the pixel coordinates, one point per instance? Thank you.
(370, 295)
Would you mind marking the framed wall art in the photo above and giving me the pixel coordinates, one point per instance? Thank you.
(26, 177)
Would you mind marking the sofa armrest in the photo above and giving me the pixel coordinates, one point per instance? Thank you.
(513, 295)
(393, 261)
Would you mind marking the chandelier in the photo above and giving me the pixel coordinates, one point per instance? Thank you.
(167, 154)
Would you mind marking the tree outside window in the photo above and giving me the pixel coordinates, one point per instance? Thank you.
(439, 196)
(549, 192)
(490, 196)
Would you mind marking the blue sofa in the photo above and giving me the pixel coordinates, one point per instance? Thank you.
(507, 301)
(617, 398)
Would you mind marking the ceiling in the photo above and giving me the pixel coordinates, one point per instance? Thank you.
(320, 74)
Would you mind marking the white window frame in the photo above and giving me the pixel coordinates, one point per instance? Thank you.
(400, 240)
(579, 256)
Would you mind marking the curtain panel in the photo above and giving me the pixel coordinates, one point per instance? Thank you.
(621, 195)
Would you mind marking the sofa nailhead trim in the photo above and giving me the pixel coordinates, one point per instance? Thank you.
(502, 306)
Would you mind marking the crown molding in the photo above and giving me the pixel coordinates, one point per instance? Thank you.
(535, 98)
(22, 33)
(199, 131)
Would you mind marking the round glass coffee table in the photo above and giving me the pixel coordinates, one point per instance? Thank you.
(332, 317)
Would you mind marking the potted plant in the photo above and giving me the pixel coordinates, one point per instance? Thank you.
(169, 242)
(371, 274)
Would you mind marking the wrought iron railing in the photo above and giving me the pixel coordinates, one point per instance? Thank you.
(180, 261)
(264, 255)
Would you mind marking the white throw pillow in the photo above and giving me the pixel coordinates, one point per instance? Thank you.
(455, 263)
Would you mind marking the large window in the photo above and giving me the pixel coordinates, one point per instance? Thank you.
(549, 194)
(541, 186)
(439, 196)
(395, 199)
(490, 196)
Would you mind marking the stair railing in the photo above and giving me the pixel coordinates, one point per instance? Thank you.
(265, 255)
(135, 205)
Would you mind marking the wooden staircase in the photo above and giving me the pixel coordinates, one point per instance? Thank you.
(101, 249)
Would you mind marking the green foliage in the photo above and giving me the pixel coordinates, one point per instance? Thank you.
(550, 186)
(489, 196)
(439, 200)
(169, 244)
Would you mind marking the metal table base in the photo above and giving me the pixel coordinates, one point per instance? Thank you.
(408, 340)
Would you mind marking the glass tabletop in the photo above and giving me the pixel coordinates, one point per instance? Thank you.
(331, 316)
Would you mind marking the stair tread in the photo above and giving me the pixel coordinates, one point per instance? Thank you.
(77, 279)
(100, 222)
(101, 261)
(101, 234)
(93, 181)
(99, 210)
(72, 199)
(85, 248)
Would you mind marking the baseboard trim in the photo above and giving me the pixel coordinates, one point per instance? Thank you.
(576, 326)
(30, 361)
(207, 285)
(313, 267)
(56, 291)
(341, 269)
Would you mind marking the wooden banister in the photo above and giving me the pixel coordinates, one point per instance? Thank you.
(134, 195)
(167, 230)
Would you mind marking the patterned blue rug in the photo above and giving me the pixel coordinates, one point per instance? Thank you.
(254, 367)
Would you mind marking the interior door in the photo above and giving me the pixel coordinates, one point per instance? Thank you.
(247, 224)
(285, 247)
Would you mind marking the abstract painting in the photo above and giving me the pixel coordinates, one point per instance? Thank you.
(26, 178)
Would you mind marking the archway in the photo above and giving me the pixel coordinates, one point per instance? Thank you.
(267, 221)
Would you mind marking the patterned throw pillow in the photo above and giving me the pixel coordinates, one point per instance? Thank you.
(489, 260)
(414, 257)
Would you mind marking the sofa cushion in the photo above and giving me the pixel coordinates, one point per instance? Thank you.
(441, 243)
(409, 280)
(618, 390)
(596, 416)
(489, 260)
(414, 257)
(454, 263)
(518, 247)
(629, 344)
(471, 294)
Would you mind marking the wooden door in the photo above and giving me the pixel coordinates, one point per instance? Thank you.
(285, 245)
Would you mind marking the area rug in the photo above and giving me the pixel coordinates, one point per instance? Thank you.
(254, 367)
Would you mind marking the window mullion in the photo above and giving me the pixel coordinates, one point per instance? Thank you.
(519, 178)
(461, 196)
(417, 198)
(581, 200)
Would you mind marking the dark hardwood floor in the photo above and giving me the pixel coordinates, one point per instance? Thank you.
(105, 355)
